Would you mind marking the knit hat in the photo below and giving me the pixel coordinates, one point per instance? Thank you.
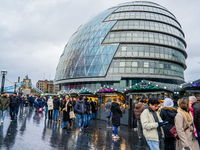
(109, 99)
(168, 102)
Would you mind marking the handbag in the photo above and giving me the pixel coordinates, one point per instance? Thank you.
(174, 132)
(40, 109)
(72, 115)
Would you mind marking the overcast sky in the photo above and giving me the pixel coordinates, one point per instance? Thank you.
(33, 33)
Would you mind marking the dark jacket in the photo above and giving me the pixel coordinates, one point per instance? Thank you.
(88, 108)
(66, 116)
(168, 114)
(4, 102)
(80, 107)
(25, 103)
(56, 103)
(93, 106)
(14, 102)
(196, 107)
(116, 114)
(139, 107)
(31, 99)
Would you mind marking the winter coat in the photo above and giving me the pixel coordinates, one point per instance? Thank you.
(196, 107)
(40, 103)
(25, 103)
(66, 116)
(80, 107)
(187, 138)
(88, 108)
(139, 107)
(116, 114)
(108, 107)
(150, 126)
(31, 99)
(93, 106)
(4, 102)
(168, 114)
(14, 102)
(56, 103)
(50, 104)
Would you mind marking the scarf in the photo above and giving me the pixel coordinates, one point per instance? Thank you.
(65, 109)
(195, 130)
(156, 120)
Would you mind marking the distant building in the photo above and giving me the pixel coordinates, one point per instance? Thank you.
(47, 86)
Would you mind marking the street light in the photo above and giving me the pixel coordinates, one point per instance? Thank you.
(3, 72)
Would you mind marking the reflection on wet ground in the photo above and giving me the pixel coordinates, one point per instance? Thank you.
(35, 132)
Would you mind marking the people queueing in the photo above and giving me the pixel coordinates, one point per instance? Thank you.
(139, 108)
(50, 108)
(152, 124)
(67, 107)
(14, 103)
(56, 105)
(93, 104)
(195, 109)
(25, 108)
(184, 127)
(108, 111)
(168, 113)
(80, 109)
(87, 113)
(4, 103)
(116, 114)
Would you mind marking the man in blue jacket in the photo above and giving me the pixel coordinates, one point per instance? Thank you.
(14, 103)
(80, 109)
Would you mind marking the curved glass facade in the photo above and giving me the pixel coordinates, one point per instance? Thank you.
(122, 45)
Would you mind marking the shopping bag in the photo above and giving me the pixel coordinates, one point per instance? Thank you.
(72, 115)
(40, 109)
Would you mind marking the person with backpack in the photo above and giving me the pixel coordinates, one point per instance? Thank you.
(87, 113)
(80, 109)
(116, 114)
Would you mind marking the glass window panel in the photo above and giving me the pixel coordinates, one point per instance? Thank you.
(122, 64)
(146, 64)
(134, 64)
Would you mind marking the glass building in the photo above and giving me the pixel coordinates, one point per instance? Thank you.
(122, 46)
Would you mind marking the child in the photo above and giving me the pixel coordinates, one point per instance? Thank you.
(25, 102)
(116, 114)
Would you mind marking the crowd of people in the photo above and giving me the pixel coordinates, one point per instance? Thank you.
(154, 122)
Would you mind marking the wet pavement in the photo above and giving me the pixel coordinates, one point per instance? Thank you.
(34, 132)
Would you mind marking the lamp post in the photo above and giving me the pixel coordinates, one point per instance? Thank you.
(3, 72)
(15, 87)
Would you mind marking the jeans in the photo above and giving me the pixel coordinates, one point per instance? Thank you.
(21, 104)
(25, 110)
(80, 121)
(17, 110)
(13, 112)
(93, 115)
(65, 123)
(87, 117)
(154, 145)
(114, 130)
(3, 112)
(46, 110)
(55, 115)
(198, 138)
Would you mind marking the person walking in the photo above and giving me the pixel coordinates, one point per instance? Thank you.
(87, 113)
(195, 105)
(152, 124)
(46, 106)
(31, 99)
(4, 103)
(108, 111)
(184, 127)
(93, 104)
(25, 108)
(168, 113)
(80, 109)
(56, 104)
(14, 103)
(67, 107)
(50, 108)
(116, 114)
(139, 108)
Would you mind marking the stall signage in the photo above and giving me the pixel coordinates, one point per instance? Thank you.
(144, 86)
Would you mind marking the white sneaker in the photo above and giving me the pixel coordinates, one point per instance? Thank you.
(1, 122)
(113, 135)
(116, 137)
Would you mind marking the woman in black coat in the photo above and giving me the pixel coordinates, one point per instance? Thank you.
(93, 103)
(168, 113)
(116, 114)
(67, 107)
